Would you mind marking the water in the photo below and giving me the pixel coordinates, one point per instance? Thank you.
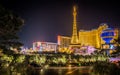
(62, 71)
(21, 70)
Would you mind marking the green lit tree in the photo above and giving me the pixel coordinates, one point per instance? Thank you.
(10, 24)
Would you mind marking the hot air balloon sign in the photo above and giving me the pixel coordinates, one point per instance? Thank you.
(107, 35)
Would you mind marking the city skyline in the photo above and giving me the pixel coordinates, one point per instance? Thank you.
(44, 20)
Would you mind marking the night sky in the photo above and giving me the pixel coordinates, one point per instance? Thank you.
(45, 19)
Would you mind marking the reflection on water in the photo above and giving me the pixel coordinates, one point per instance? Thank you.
(48, 71)
(64, 72)
(72, 71)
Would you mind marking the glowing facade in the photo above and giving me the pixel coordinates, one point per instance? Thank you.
(93, 37)
(45, 46)
(85, 38)
(64, 41)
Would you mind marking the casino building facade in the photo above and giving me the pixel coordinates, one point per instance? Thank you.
(88, 37)
(85, 37)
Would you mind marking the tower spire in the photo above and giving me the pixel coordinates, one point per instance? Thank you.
(74, 39)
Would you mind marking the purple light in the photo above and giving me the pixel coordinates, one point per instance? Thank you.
(90, 49)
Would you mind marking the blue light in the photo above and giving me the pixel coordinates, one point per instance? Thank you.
(111, 46)
(107, 35)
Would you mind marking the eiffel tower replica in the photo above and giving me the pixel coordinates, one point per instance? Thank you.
(74, 40)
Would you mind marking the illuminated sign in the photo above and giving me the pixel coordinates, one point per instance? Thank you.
(107, 35)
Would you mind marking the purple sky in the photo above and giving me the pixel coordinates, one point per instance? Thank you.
(45, 19)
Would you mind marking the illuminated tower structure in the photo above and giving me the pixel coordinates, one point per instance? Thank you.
(74, 39)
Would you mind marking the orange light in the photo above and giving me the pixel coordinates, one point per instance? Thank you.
(58, 39)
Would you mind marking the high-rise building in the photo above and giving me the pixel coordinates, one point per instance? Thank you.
(64, 41)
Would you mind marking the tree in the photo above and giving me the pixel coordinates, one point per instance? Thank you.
(10, 24)
(117, 41)
(118, 46)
